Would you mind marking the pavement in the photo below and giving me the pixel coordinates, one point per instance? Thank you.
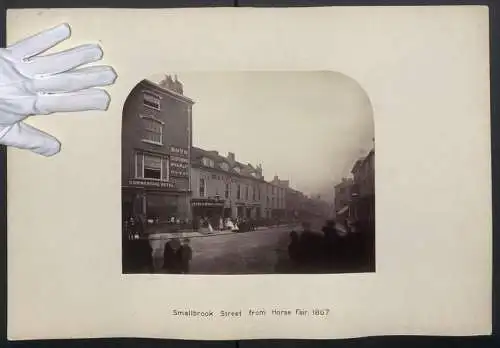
(203, 233)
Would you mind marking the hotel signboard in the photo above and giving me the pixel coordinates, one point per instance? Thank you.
(152, 183)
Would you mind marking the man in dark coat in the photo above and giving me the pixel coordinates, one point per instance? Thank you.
(184, 255)
(169, 258)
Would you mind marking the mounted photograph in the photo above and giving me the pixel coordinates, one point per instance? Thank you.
(251, 172)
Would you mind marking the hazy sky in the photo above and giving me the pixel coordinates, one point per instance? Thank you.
(306, 127)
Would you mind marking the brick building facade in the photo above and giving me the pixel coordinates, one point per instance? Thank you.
(156, 147)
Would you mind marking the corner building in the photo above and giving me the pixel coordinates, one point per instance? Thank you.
(156, 148)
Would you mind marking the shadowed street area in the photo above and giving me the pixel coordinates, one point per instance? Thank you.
(287, 249)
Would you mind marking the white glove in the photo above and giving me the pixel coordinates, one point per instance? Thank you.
(31, 84)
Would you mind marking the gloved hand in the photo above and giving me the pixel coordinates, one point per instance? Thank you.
(31, 85)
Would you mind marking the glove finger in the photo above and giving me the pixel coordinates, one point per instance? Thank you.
(75, 80)
(88, 99)
(61, 61)
(14, 109)
(24, 136)
(40, 42)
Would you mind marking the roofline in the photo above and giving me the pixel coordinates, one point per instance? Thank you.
(157, 87)
(219, 170)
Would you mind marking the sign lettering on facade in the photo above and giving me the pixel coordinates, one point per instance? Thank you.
(179, 169)
(207, 204)
(151, 183)
(179, 162)
(178, 151)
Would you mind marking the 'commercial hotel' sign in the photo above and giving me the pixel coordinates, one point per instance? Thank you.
(151, 183)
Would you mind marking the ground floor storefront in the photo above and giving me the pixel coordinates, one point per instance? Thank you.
(278, 214)
(158, 205)
(206, 209)
(246, 211)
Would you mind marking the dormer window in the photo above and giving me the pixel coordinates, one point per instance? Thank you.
(208, 162)
(224, 166)
(237, 170)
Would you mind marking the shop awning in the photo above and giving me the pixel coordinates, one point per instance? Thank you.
(207, 203)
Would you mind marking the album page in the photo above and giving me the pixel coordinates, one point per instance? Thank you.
(308, 173)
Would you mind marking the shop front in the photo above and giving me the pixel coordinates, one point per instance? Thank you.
(240, 210)
(154, 200)
(248, 210)
(207, 208)
(227, 213)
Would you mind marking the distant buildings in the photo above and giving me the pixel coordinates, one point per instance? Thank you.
(364, 188)
(343, 196)
(223, 186)
(355, 197)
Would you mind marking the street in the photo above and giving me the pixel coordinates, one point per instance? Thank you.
(269, 250)
(246, 253)
(261, 251)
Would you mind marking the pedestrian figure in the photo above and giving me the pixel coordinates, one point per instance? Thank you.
(294, 247)
(141, 255)
(169, 258)
(184, 256)
(140, 225)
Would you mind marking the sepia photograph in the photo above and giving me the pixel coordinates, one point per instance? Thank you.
(248, 173)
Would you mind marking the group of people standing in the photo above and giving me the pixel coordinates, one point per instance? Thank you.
(219, 224)
(135, 226)
(177, 256)
(339, 247)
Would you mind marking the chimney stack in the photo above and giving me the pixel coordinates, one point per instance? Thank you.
(231, 157)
